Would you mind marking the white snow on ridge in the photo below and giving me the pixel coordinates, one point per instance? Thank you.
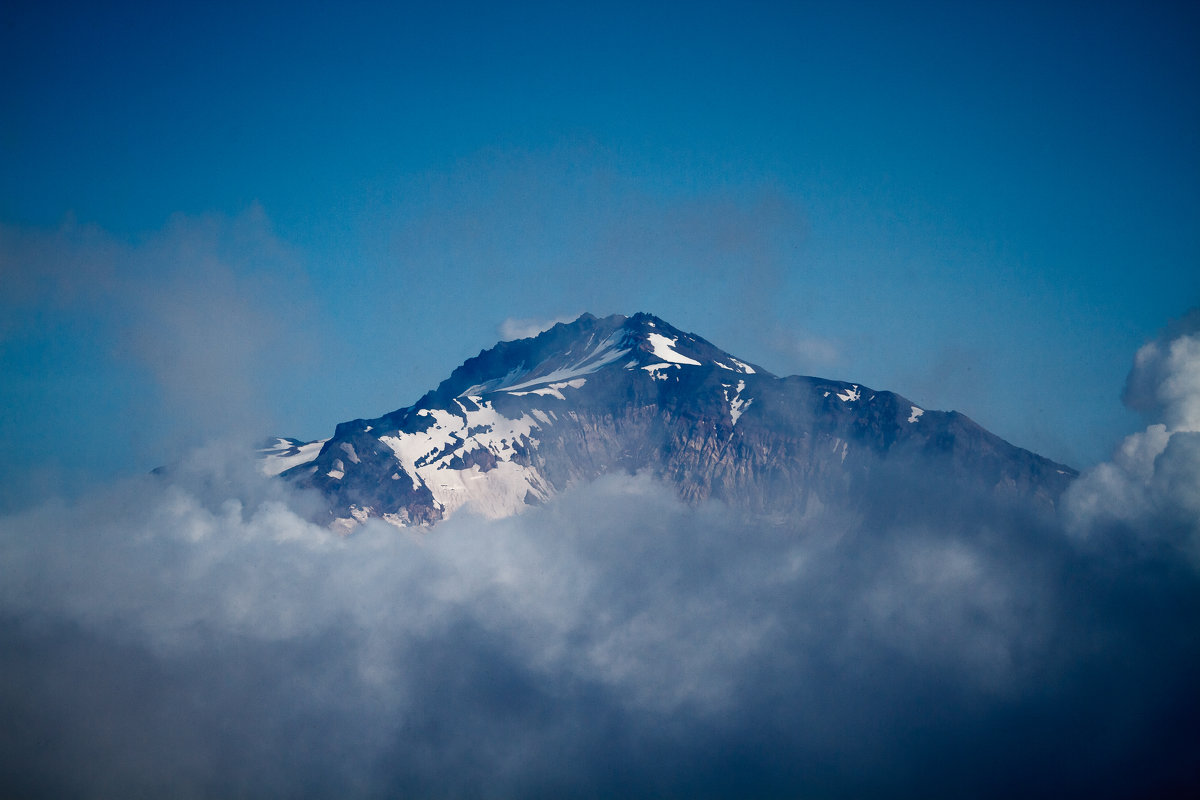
(498, 492)
(273, 464)
(850, 395)
(916, 414)
(741, 367)
(553, 389)
(662, 348)
(348, 449)
(515, 373)
(746, 368)
(737, 406)
(603, 354)
(658, 371)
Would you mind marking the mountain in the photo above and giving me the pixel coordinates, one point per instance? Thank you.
(523, 421)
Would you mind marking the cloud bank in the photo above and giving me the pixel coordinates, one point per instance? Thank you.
(197, 636)
(1148, 495)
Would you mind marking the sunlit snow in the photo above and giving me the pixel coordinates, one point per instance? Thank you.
(498, 492)
(662, 348)
(658, 371)
(553, 389)
(737, 406)
(850, 395)
(746, 368)
(601, 355)
(272, 464)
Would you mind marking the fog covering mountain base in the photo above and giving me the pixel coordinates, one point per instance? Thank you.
(527, 419)
(195, 634)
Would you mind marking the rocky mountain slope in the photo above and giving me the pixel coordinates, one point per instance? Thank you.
(527, 419)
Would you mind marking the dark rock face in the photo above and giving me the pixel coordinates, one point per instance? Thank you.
(526, 419)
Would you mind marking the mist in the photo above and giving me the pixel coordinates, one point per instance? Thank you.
(195, 635)
(121, 353)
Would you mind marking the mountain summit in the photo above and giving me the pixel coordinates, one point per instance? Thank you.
(526, 419)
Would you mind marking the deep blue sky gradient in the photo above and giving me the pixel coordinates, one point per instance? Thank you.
(982, 206)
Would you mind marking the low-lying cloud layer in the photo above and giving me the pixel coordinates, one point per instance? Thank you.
(196, 636)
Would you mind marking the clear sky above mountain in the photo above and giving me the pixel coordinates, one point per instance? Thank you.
(274, 217)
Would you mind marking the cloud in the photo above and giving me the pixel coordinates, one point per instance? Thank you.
(198, 635)
(213, 311)
(1149, 493)
(1164, 383)
(513, 328)
(806, 351)
(577, 221)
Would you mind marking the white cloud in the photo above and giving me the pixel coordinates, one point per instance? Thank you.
(513, 328)
(1151, 487)
(1165, 380)
(199, 635)
(213, 310)
(815, 350)
(518, 656)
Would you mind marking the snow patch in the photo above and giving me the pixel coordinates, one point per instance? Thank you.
(273, 464)
(916, 414)
(600, 356)
(850, 395)
(348, 449)
(662, 345)
(500, 491)
(658, 371)
(737, 406)
(746, 368)
(516, 373)
(553, 390)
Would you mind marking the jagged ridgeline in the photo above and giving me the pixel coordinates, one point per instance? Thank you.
(527, 419)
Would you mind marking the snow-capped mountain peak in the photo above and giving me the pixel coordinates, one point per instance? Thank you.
(526, 419)
(568, 352)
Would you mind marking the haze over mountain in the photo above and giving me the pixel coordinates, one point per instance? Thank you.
(226, 221)
(733, 610)
(525, 420)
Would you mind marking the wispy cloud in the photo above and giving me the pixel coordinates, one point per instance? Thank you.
(199, 633)
(212, 310)
(803, 351)
(513, 328)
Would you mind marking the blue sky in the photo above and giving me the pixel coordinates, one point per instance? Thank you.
(274, 217)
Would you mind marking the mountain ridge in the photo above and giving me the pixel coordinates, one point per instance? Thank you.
(525, 419)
